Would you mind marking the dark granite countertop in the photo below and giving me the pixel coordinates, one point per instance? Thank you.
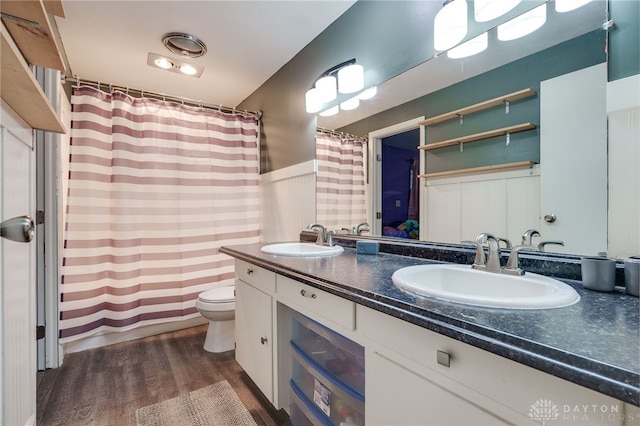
(594, 343)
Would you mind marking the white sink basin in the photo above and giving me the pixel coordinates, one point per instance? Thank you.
(301, 250)
(460, 283)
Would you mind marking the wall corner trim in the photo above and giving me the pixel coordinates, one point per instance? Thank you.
(300, 169)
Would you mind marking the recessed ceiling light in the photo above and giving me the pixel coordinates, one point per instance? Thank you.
(163, 63)
(174, 65)
(188, 69)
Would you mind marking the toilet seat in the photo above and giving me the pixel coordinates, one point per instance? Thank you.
(218, 295)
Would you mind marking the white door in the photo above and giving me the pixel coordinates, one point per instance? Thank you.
(573, 160)
(17, 279)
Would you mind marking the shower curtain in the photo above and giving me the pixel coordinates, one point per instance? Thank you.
(340, 182)
(155, 188)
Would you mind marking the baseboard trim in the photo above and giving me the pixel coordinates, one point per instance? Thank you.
(138, 333)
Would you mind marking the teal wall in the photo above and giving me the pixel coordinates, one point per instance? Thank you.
(525, 73)
(624, 39)
(389, 37)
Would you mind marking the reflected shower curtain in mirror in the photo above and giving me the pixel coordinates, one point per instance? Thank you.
(155, 188)
(340, 182)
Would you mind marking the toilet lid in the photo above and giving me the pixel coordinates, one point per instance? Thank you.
(219, 294)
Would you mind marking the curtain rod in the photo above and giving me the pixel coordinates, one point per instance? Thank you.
(363, 139)
(76, 81)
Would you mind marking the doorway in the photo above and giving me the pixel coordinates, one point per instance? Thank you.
(397, 137)
(400, 188)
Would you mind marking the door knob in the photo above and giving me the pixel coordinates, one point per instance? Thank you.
(20, 229)
(550, 218)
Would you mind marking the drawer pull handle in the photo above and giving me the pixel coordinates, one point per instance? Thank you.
(303, 292)
(249, 271)
(263, 340)
(443, 358)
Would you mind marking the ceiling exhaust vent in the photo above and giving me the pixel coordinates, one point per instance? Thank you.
(184, 44)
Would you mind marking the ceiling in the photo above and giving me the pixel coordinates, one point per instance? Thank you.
(250, 40)
(247, 42)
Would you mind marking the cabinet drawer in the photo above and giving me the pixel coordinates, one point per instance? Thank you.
(259, 277)
(502, 386)
(338, 403)
(340, 356)
(314, 301)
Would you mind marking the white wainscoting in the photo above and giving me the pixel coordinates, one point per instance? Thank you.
(623, 108)
(504, 203)
(288, 200)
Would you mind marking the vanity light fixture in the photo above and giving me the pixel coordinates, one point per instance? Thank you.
(450, 25)
(369, 93)
(470, 47)
(331, 111)
(327, 87)
(350, 104)
(174, 65)
(351, 78)
(569, 5)
(346, 77)
(488, 10)
(524, 24)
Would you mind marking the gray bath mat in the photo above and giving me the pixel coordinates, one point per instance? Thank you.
(216, 404)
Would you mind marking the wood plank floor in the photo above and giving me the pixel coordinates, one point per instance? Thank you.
(105, 386)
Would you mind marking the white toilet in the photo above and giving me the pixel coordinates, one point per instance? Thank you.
(218, 306)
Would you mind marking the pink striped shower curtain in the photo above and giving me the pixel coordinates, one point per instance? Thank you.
(340, 181)
(155, 188)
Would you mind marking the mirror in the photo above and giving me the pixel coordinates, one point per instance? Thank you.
(441, 72)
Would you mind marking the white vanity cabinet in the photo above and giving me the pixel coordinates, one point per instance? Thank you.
(254, 324)
(413, 376)
(416, 376)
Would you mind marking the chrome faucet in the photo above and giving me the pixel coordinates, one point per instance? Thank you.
(527, 236)
(480, 261)
(322, 233)
(512, 267)
(544, 243)
(493, 259)
(360, 228)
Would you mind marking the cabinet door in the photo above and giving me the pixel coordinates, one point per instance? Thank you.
(398, 396)
(573, 160)
(253, 328)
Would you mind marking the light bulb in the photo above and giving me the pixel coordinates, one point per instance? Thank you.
(487, 10)
(163, 63)
(327, 88)
(351, 78)
(369, 93)
(350, 104)
(188, 69)
(450, 25)
(569, 5)
(470, 47)
(312, 102)
(331, 111)
(523, 25)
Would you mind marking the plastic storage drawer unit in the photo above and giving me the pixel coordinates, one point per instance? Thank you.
(343, 358)
(303, 412)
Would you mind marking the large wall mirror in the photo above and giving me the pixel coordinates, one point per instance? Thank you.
(396, 103)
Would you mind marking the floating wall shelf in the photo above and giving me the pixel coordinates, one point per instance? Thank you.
(511, 97)
(516, 165)
(36, 41)
(27, 38)
(479, 136)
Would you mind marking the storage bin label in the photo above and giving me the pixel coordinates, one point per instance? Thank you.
(322, 397)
